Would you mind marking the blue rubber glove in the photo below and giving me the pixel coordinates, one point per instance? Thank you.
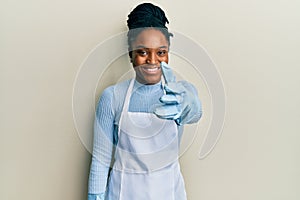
(181, 102)
(96, 196)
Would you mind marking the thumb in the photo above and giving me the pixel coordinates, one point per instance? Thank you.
(167, 73)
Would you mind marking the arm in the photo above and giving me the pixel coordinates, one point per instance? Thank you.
(102, 146)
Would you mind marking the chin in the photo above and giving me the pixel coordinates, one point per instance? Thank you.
(149, 81)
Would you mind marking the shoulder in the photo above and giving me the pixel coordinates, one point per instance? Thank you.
(112, 95)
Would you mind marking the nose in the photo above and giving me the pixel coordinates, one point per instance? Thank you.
(152, 58)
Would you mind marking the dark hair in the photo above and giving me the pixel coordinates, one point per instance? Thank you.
(146, 15)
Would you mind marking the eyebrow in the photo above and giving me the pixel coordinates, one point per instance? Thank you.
(144, 47)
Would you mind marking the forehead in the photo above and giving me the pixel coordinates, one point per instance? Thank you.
(150, 38)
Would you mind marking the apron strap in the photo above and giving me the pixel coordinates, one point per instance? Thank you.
(126, 103)
(127, 97)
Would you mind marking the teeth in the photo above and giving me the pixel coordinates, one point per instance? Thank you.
(152, 69)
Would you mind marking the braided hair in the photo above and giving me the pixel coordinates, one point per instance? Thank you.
(146, 15)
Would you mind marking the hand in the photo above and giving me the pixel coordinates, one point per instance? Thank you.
(96, 196)
(180, 103)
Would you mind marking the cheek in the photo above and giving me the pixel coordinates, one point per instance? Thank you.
(137, 60)
(164, 59)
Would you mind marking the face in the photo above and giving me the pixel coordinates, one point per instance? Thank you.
(149, 49)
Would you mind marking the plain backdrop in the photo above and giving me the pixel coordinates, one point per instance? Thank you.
(255, 45)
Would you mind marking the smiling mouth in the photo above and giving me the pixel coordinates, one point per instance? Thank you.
(151, 70)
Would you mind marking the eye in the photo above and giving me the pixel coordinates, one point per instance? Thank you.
(162, 52)
(141, 52)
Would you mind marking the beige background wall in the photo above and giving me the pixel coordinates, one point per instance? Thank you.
(255, 45)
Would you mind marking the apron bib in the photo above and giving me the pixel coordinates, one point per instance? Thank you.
(146, 158)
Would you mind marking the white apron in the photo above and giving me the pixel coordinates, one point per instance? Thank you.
(146, 158)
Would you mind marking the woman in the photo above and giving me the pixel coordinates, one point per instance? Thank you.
(139, 122)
